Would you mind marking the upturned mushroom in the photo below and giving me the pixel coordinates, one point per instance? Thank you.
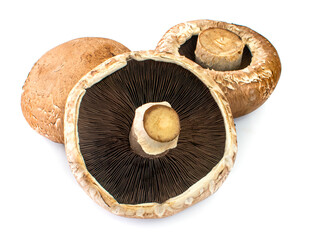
(52, 77)
(148, 134)
(244, 64)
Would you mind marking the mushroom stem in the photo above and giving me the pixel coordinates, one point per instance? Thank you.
(155, 129)
(219, 49)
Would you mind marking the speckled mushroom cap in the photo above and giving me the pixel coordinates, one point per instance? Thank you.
(250, 86)
(53, 76)
(204, 187)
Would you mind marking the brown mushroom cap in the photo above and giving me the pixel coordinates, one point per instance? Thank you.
(52, 77)
(83, 118)
(246, 88)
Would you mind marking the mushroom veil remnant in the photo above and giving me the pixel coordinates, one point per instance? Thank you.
(53, 76)
(148, 134)
(244, 64)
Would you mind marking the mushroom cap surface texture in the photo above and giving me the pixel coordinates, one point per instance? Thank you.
(102, 105)
(52, 77)
(246, 88)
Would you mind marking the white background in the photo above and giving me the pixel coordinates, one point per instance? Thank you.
(266, 195)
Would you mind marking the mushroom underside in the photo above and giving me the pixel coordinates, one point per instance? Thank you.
(105, 117)
(188, 50)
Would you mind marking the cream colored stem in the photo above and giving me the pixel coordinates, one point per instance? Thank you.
(155, 129)
(219, 49)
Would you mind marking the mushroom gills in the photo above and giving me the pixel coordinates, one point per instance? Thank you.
(188, 50)
(105, 119)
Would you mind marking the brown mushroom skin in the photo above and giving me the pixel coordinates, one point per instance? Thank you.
(246, 89)
(53, 76)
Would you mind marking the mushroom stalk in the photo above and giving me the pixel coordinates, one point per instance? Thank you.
(219, 49)
(155, 129)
